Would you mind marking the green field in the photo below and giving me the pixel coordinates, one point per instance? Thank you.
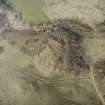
(31, 9)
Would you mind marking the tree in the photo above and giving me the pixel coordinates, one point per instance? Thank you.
(3, 2)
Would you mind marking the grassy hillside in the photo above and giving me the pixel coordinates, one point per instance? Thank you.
(31, 9)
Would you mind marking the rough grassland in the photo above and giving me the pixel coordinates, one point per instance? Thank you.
(32, 9)
(89, 11)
